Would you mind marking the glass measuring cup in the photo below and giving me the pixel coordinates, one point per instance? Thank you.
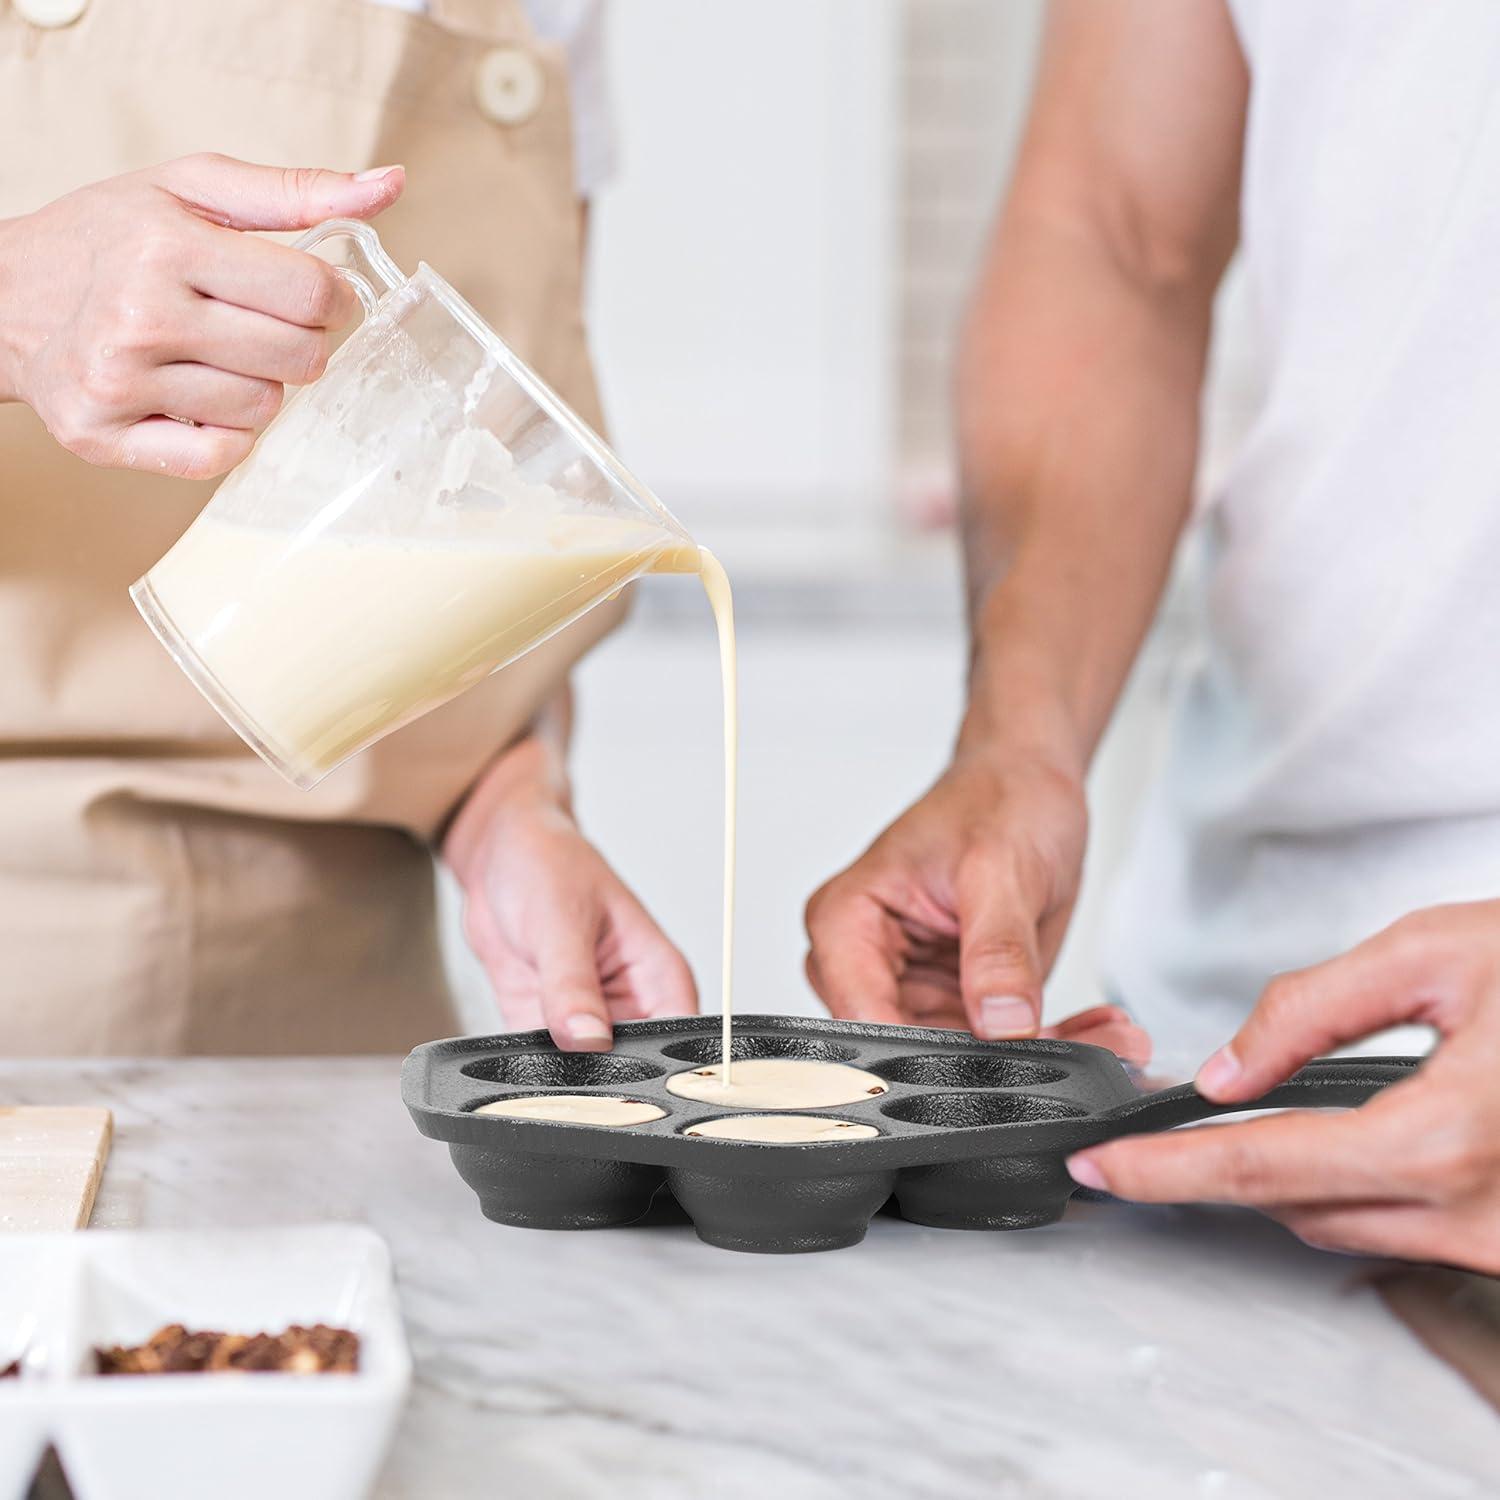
(414, 520)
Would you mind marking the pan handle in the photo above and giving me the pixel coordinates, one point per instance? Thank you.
(1327, 1081)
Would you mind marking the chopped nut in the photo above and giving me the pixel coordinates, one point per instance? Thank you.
(12, 1371)
(174, 1350)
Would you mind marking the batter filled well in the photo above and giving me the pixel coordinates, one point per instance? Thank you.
(574, 1109)
(783, 1129)
(778, 1083)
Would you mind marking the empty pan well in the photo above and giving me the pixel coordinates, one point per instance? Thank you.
(964, 1111)
(562, 1069)
(709, 1049)
(968, 1070)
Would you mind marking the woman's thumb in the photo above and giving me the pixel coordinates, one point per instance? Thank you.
(242, 195)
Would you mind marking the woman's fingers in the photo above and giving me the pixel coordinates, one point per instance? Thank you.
(119, 278)
(159, 445)
(246, 195)
(250, 343)
(265, 277)
(215, 398)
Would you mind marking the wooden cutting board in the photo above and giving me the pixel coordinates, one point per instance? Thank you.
(51, 1160)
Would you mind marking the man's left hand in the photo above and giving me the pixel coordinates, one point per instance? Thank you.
(1413, 1173)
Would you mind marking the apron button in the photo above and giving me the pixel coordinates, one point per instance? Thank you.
(508, 84)
(50, 13)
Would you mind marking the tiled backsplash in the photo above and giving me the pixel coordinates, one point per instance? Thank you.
(966, 68)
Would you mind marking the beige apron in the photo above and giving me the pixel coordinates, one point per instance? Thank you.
(161, 890)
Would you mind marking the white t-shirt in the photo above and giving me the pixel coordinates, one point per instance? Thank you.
(1335, 759)
(579, 26)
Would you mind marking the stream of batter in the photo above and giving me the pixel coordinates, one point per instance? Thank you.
(716, 585)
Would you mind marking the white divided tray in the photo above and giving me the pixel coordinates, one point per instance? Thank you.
(166, 1437)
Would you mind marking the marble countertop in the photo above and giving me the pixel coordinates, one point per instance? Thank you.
(1125, 1351)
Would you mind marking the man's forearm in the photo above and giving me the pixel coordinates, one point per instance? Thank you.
(1079, 399)
(1084, 357)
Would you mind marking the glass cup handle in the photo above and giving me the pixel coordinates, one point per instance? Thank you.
(372, 267)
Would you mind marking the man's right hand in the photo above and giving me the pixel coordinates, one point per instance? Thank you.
(138, 300)
(954, 914)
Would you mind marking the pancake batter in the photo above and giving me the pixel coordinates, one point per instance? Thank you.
(575, 1109)
(783, 1129)
(716, 586)
(322, 643)
(778, 1083)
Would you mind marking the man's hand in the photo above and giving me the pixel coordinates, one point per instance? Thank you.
(137, 300)
(1413, 1173)
(565, 943)
(954, 915)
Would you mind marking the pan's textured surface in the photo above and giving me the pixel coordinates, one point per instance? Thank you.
(972, 1135)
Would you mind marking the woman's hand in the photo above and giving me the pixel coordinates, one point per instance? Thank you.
(137, 300)
(565, 944)
(954, 914)
(1413, 1173)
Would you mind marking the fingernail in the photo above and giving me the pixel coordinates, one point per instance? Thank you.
(371, 174)
(1001, 1016)
(1085, 1172)
(587, 1028)
(1219, 1073)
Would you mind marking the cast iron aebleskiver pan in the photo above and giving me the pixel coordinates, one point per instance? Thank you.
(973, 1135)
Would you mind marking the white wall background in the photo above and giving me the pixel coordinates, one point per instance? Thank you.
(741, 300)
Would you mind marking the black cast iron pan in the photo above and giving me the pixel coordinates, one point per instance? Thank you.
(973, 1135)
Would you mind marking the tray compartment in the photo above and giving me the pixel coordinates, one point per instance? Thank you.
(987, 1192)
(968, 1070)
(710, 1049)
(968, 1111)
(535, 1191)
(562, 1070)
(780, 1215)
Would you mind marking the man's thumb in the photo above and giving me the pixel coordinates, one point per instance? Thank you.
(242, 195)
(573, 1003)
(1000, 966)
